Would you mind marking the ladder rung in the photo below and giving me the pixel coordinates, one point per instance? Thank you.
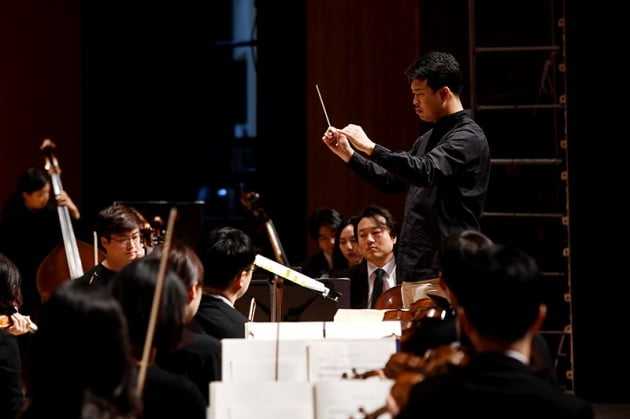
(523, 214)
(552, 274)
(518, 49)
(526, 162)
(503, 107)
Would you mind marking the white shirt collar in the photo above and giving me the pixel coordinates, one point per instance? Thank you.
(516, 355)
(389, 268)
(222, 298)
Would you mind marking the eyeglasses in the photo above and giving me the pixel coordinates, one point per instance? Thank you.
(122, 241)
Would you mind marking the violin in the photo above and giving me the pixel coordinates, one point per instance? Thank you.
(420, 313)
(408, 369)
(390, 299)
(6, 322)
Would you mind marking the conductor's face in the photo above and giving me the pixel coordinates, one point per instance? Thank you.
(428, 104)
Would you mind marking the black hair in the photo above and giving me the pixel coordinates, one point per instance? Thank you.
(438, 69)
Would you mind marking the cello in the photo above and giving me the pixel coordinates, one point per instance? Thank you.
(68, 260)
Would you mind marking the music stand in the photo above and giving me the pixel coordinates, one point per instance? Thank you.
(299, 303)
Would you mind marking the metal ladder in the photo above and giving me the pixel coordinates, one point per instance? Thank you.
(524, 117)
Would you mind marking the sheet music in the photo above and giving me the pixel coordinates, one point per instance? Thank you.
(359, 315)
(284, 330)
(330, 359)
(255, 360)
(261, 400)
(342, 399)
(363, 330)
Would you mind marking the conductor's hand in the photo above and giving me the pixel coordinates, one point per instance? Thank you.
(358, 138)
(338, 143)
(64, 199)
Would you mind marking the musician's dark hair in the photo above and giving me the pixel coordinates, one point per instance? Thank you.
(503, 294)
(457, 255)
(134, 287)
(81, 356)
(328, 217)
(372, 211)
(183, 259)
(339, 260)
(117, 219)
(227, 252)
(32, 179)
(10, 283)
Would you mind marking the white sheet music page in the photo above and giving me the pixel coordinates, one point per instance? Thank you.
(284, 330)
(343, 399)
(363, 329)
(261, 400)
(330, 359)
(256, 360)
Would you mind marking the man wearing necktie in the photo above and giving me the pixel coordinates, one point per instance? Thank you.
(377, 289)
(376, 233)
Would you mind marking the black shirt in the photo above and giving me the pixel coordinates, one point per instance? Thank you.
(446, 188)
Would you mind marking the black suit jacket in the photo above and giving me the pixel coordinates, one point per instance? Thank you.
(197, 357)
(218, 319)
(359, 288)
(492, 385)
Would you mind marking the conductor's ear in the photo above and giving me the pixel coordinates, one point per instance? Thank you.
(444, 92)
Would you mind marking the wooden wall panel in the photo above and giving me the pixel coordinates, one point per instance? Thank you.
(40, 89)
(357, 51)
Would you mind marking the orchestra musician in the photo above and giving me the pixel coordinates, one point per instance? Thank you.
(30, 229)
(376, 232)
(119, 229)
(228, 259)
(165, 394)
(197, 355)
(499, 310)
(81, 361)
(11, 389)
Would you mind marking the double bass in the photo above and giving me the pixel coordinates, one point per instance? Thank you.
(249, 199)
(69, 259)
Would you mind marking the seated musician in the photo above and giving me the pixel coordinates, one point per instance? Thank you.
(322, 225)
(81, 364)
(165, 394)
(228, 259)
(376, 233)
(455, 260)
(30, 229)
(500, 308)
(197, 355)
(11, 393)
(118, 228)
